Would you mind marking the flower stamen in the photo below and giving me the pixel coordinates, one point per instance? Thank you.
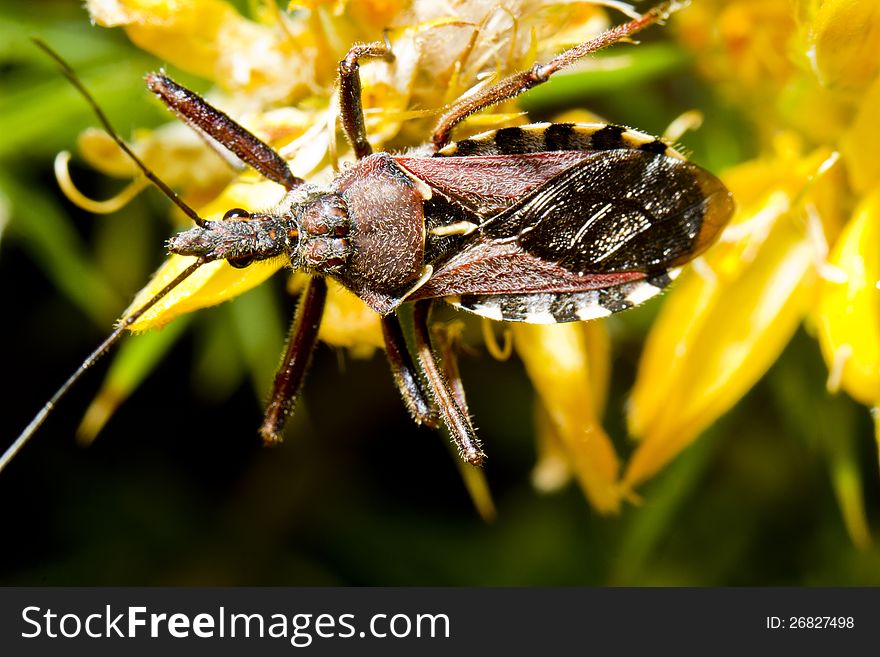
(498, 352)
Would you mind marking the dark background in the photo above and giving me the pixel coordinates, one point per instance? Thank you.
(177, 489)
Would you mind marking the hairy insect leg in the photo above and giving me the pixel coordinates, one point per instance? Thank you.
(454, 416)
(443, 341)
(297, 356)
(351, 109)
(196, 112)
(519, 82)
(406, 376)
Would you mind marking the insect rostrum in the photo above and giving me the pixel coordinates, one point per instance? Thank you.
(541, 223)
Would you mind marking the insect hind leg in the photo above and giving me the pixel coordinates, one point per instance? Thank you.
(452, 411)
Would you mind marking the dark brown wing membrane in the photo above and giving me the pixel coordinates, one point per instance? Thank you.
(612, 217)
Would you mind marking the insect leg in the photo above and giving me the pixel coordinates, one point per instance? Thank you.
(519, 82)
(351, 109)
(454, 416)
(443, 340)
(406, 376)
(297, 356)
(204, 117)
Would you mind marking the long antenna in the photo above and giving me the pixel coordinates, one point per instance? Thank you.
(75, 81)
(127, 321)
(93, 358)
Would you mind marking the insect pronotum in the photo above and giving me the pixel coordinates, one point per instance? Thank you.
(543, 223)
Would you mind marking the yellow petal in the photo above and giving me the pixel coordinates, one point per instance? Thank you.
(184, 33)
(848, 314)
(557, 363)
(860, 143)
(844, 42)
(553, 468)
(598, 346)
(268, 62)
(211, 284)
(719, 330)
(174, 152)
(348, 322)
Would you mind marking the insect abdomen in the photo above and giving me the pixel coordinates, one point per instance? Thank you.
(547, 137)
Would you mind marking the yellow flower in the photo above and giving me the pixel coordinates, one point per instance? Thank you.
(848, 313)
(805, 241)
(804, 244)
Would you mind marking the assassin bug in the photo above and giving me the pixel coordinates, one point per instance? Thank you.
(541, 223)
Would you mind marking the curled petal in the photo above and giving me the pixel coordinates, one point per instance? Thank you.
(557, 363)
(848, 313)
(108, 206)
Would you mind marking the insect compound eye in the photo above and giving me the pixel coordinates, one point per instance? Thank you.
(236, 213)
(240, 263)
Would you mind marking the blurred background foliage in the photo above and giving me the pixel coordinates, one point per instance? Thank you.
(178, 489)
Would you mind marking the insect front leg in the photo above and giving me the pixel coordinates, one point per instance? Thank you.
(406, 376)
(454, 415)
(205, 118)
(351, 110)
(297, 356)
(516, 84)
